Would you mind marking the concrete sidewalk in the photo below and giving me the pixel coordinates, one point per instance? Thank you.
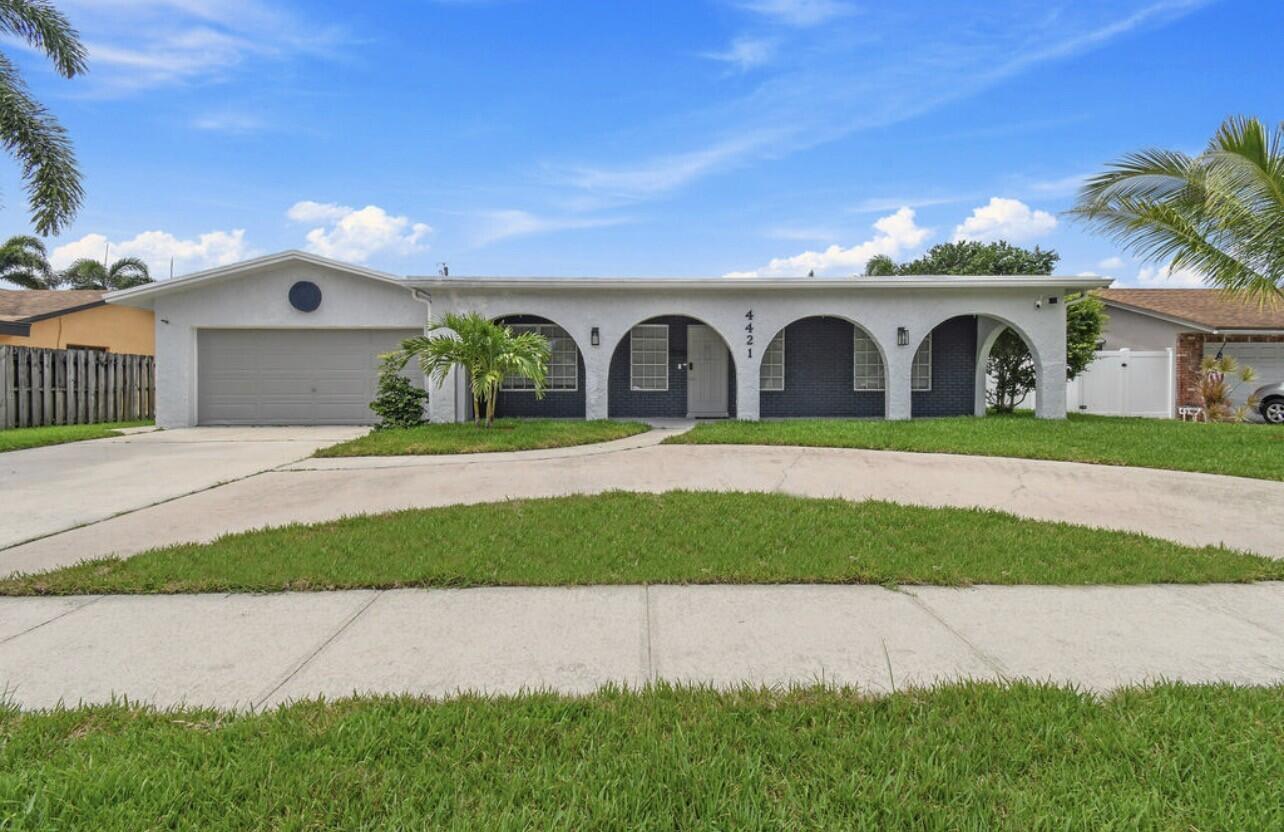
(259, 650)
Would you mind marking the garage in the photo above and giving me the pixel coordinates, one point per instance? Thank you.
(1266, 358)
(290, 376)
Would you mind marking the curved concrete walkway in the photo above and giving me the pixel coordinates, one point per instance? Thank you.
(1196, 509)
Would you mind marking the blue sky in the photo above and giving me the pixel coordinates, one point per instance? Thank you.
(634, 138)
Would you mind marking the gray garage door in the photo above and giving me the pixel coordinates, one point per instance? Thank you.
(289, 377)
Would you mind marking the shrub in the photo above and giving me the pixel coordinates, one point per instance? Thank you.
(399, 404)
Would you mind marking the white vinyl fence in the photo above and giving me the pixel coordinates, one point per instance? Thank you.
(1126, 383)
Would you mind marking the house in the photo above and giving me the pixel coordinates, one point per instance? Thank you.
(1195, 323)
(293, 338)
(73, 319)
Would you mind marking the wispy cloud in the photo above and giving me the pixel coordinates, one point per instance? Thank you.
(879, 204)
(848, 78)
(504, 224)
(800, 13)
(744, 53)
(136, 45)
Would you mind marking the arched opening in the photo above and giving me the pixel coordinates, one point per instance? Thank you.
(948, 371)
(671, 366)
(564, 383)
(822, 366)
(1014, 366)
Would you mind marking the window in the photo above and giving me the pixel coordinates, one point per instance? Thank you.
(563, 361)
(771, 376)
(867, 363)
(649, 357)
(921, 369)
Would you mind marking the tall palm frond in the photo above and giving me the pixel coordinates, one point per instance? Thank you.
(128, 272)
(91, 274)
(23, 262)
(1220, 213)
(28, 131)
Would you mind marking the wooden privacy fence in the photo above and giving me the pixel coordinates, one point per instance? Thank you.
(73, 387)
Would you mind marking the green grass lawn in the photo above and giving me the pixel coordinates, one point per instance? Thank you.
(17, 439)
(504, 435)
(1243, 450)
(676, 537)
(968, 756)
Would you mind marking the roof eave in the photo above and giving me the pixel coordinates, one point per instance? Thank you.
(1075, 283)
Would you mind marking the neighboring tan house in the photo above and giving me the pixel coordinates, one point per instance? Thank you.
(73, 319)
(1197, 323)
(293, 338)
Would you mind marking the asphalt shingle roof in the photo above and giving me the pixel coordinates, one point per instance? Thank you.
(1208, 308)
(20, 304)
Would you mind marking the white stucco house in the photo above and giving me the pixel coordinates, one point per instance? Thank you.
(292, 338)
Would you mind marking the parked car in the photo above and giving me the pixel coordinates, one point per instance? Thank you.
(1272, 402)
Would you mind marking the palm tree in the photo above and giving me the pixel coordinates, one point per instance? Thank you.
(880, 265)
(90, 274)
(23, 262)
(27, 129)
(1220, 213)
(485, 350)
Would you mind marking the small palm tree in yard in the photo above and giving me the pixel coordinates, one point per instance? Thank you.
(90, 274)
(485, 351)
(1220, 213)
(1218, 377)
(23, 263)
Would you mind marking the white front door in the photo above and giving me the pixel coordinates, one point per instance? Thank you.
(706, 372)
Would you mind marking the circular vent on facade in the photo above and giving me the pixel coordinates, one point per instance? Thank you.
(305, 296)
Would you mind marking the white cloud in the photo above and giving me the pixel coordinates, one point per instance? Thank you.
(1165, 277)
(1110, 263)
(799, 13)
(896, 234)
(355, 234)
(213, 248)
(1005, 219)
(744, 53)
(229, 121)
(500, 225)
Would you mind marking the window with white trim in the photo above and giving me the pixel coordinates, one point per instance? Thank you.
(867, 363)
(771, 374)
(921, 369)
(563, 372)
(649, 357)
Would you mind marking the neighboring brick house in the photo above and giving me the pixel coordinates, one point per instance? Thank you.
(1195, 323)
(73, 318)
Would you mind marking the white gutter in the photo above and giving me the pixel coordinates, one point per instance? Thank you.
(730, 284)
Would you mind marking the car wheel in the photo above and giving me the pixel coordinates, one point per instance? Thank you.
(1273, 411)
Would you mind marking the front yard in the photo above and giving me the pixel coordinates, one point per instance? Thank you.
(17, 439)
(1242, 450)
(968, 756)
(676, 537)
(465, 438)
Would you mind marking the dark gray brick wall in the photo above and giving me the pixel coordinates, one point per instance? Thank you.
(556, 404)
(625, 402)
(818, 374)
(953, 371)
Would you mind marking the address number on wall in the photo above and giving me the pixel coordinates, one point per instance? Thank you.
(749, 333)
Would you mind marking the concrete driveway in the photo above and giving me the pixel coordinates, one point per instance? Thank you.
(60, 487)
(271, 482)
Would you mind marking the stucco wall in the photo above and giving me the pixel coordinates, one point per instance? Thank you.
(115, 328)
(1128, 330)
(879, 311)
(260, 299)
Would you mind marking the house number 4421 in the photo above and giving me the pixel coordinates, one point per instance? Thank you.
(749, 332)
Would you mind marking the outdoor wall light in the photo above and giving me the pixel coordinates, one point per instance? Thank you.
(902, 336)
(595, 337)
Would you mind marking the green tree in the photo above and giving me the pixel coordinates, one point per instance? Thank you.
(90, 274)
(972, 257)
(485, 351)
(398, 403)
(880, 265)
(1010, 363)
(1220, 213)
(29, 132)
(23, 262)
